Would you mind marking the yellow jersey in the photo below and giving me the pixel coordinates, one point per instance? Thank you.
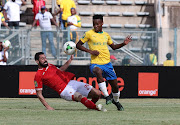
(153, 59)
(2, 19)
(168, 63)
(99, 42)
(58, 2)
(66, 5)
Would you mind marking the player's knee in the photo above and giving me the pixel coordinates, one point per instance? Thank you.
(78, 97)
(97, 71)
(97, 94)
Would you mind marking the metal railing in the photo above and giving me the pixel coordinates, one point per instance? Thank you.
(26, 43)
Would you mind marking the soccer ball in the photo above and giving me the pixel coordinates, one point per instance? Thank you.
(69, 48)
(6, 43)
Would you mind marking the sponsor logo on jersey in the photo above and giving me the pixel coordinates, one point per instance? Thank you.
(35, 83)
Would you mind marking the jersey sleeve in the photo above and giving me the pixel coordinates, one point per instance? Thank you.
(6, 53)
(73, 4)
(85, 37)
(109, 40)
(6, 6)
(37, 16)
(38, 82)
(62, 6)
(50, 15)
(78, 21)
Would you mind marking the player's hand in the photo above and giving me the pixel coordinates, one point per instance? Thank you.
(50, 108)
(69, 23)
(94, 52)
(128, 39)
(54, 14)
(72, 56)
(7, 18)
(5, 48)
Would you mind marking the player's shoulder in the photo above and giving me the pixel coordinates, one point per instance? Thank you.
(38, 14)
(39, 73)
(105, 33)
(90, 31)
(8, 2)
(51, 65)
(77, 16)
(48, 13)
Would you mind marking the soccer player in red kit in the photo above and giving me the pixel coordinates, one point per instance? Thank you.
(63, 83)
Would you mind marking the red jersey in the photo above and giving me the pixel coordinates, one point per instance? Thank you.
(52, 77)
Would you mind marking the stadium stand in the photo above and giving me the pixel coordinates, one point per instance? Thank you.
(126, 2)
(115, 25)
(122, 14)
(85, 13)
(114, 13)
(140, 2)
(98, 2)
(83, 2)
(112, 2)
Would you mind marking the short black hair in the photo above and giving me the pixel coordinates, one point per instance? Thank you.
(98, 17)
(36, 57)
(168, 56)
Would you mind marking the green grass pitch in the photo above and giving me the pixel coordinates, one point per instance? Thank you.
(29, 111)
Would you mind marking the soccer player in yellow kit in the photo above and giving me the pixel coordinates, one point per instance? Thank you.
(101, 66)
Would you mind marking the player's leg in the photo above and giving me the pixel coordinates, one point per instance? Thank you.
(116, 94)
(94, 94)
(89, 104)
(102, 84)
(50, 38)
(78, 91)
(43, 39)
(111, 77)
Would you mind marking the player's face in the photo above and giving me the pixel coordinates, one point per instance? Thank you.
(73, 11)
(43, 61)
(97, 24)
(43, 11)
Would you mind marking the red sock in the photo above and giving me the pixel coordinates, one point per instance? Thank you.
(95, 100)
(89, 104)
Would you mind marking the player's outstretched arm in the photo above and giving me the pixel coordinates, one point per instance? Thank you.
(5, 57)
(80, 46)
(43, 101)
(127, 40)
(66, 65)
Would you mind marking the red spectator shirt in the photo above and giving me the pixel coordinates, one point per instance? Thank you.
(52, 77)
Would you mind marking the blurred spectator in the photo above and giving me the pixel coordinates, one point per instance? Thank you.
(37, 7)
(2, 2)
(74, 21)
(2, 19)
(45, 19)
(11, 12)
(126, 61)
(168, 62)
(3, 54)
(151, 59)
(65, 7)
(58, 2)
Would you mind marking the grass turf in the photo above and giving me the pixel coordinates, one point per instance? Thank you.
(29, 111)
